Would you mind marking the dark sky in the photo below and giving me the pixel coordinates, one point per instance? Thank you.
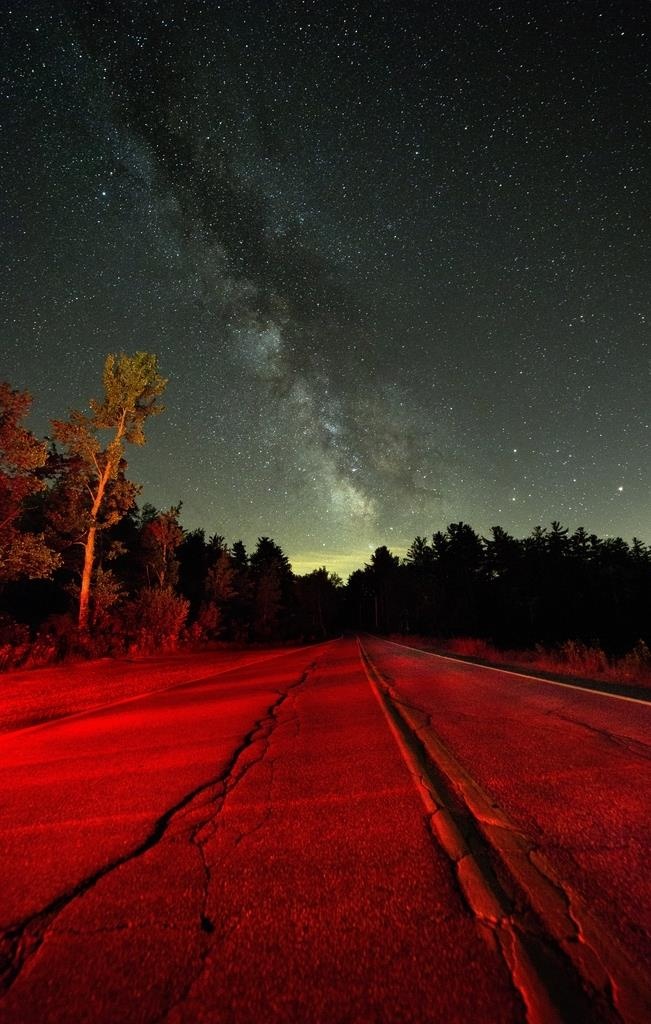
(393, 257)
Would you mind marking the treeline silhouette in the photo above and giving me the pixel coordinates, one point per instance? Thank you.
(84, 569)
(156, 583)
(546, 588)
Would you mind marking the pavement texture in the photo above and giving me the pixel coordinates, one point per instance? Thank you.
(248, 847)
(571, 768)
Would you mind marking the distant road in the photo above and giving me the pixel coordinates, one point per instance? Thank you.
(347, 832)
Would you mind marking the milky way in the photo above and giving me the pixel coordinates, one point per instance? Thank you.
(394, 261)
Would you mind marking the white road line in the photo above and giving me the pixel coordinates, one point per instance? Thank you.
(520, 675)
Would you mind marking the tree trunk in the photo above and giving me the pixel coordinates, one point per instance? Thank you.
(84, 594)
(89, 546)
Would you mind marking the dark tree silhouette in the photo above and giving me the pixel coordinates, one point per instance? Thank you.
(273, 597)
(194, 560)
(318, 598)
(22, 553)
(383, 578)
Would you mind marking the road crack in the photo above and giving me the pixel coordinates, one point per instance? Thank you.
(546, 939)
(632, 746)
(21, 941)
(251, 753)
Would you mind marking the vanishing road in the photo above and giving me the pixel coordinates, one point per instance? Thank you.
(350, 832)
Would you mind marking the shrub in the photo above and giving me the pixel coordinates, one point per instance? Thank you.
(60, 639)
(14, 643)
(471, 647)
(209, 620)
(635, 664)
(583, 660)
(155, 618)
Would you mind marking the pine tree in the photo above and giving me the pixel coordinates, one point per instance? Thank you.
(95, 467)
(273, 591)
(382, 573)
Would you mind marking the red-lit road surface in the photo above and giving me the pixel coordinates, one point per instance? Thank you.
(303, 839)
(553, 783)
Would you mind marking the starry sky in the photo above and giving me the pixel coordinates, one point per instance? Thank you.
(394, 258)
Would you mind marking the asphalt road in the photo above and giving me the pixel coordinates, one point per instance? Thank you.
(325, 837)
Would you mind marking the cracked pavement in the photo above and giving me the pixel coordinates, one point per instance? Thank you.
(250, 846)
(572, 772)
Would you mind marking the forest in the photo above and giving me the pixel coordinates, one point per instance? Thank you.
(87, 571)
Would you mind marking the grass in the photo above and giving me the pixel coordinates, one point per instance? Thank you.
(571, 658)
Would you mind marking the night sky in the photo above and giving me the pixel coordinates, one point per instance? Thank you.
(394, 258)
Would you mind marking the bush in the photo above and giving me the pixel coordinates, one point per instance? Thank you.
(59, 639)
(14, 643)
(470, 647)
(582, 660)
(209, 620)
(154, 619)
(635, 664)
